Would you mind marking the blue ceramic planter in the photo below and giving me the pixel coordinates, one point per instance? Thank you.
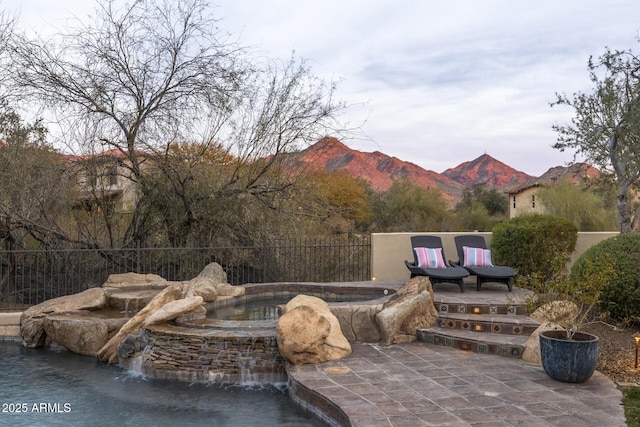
(572, 361)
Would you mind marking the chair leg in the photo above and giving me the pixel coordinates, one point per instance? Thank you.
(478, 283)
(461, 284)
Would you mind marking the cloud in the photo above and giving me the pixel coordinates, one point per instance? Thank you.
(435, 82)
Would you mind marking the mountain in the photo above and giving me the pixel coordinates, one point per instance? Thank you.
(486, 170)
(378, 169)
(578, 173)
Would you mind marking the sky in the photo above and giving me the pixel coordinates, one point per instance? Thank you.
(433, 82)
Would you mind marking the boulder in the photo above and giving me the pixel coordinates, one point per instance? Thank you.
(174, 309)
(308, 332)
(135, 280)
(215, 274)
(32, 320)
(203, 287)
(410, 308)
(551, 315)
(79, 332)
(556, 311)
(358, 322)
(109, 352)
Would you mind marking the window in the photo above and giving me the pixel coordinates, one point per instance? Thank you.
(533, 201)
(514, 202)
(113, 175)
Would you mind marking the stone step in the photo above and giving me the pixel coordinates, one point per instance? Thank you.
(486, 343)
(494, 324)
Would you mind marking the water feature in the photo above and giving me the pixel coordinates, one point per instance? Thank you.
(60, 388)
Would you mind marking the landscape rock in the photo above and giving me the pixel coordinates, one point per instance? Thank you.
(308, 332)
(358, 322)
(109, 352)
(410, 308)
(135, 280)
(214, 272)
(556, 311)
(32, 320)
(79, 332)
(174, 309)
(203, 287)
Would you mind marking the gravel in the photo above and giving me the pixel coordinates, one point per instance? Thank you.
(616, 357)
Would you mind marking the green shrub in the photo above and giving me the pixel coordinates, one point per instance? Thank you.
(620, 295)
(538, 247)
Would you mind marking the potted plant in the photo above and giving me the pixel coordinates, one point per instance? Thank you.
(567, 353)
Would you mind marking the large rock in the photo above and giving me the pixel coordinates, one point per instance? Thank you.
(135, 280)
(32, 320)
(109, 352)
(550, 316)
(79, 332)
(410, 308)
(556, 311)
(358, 322)
(308, 332)
(214, 273)
(202, 287)
(174, 309)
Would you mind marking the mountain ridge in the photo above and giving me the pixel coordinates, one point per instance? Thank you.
(380, 170)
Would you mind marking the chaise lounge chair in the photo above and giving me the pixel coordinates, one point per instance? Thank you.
(429, 260)
(475, 257)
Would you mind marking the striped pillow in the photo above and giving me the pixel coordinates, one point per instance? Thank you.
(429, 257)
(476, 257)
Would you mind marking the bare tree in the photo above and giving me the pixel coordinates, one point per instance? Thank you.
(153, 73)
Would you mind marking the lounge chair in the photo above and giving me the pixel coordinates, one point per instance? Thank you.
(478, 261)
(429, 260)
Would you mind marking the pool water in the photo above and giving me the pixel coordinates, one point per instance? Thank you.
(60, 388)
(267, 308)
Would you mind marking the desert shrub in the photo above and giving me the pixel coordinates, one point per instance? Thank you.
(538, 247)
(620, 295)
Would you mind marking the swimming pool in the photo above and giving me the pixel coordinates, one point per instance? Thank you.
(60, 388)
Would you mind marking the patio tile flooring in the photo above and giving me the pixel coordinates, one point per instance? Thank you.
(417, 384)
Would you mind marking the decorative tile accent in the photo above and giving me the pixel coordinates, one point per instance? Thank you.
(502, 351)
(444, 308)
(493, 310)
(496, 328)
(516, 330)
(462, 308)
(511, 310)
(465, 326)
(477, 310)
(449, 342)
(478, 327)
(451, 324)
(428, 338)
(483, 348)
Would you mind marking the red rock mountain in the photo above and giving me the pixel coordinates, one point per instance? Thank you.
(378, 169)
(486, 170)
(578, 173)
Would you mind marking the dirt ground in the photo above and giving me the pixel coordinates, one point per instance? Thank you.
(616, 357)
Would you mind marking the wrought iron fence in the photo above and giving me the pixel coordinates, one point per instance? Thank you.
(29, 277)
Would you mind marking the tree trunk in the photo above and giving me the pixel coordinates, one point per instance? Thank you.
(620, 168)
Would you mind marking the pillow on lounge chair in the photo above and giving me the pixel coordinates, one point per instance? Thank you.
(430, 257)
(476, 257)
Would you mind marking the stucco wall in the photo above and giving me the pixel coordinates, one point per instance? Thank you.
(390, 250)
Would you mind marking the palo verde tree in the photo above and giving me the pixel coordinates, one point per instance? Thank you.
(140, 78)
(606, 127)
